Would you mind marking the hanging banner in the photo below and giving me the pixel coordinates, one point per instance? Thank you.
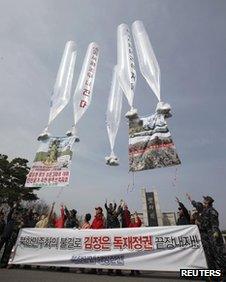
(51, 166)
(150, 143)
(165, 248)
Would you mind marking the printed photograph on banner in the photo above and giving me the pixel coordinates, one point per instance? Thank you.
(150, 143)
(51, 166)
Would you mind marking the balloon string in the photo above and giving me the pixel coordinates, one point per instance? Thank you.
(133, 179)
(59, 193)
(62, 188)
(174, 182)
(130, 186)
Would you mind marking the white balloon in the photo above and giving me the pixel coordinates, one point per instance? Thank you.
(125, 63)
(114, 109)
(62, 88)
(147, 61)
(83, 92)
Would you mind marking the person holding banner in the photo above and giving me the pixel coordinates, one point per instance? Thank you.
(99, 220)
(125, 214)
(135, 221)
(112, 215)
(98, 223)
(9, 234)
(86, 224)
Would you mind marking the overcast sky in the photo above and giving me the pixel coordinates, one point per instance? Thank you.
(189, 41)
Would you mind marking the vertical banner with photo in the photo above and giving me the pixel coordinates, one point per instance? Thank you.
(51, 166)
(150, 143)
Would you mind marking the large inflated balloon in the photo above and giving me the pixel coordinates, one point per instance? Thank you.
(125, 63)
(114, 109)
(84, 88)
(62, 88)
(147, 61)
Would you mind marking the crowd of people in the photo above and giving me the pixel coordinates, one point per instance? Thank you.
(206, 218)
(116, 217)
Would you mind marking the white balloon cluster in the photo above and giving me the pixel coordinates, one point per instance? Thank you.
(124, 79)
(62, 88)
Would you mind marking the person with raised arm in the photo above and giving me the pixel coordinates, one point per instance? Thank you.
(112, 215)
(125, 214)
(59, 221)
(184, 217)
(210, 233)
(71, 218)
(45, 218)
(98, 223)
(135, 222)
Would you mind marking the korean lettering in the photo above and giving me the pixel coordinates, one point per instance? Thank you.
(133, 243)
(70, 243)
(97, 243)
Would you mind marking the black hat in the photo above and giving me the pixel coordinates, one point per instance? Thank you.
(199, 206)
(88, 216)
(73, 212)
(208, 199)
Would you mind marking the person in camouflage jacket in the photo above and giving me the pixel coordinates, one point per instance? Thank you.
(211, 236)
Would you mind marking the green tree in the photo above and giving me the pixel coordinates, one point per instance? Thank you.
(12, 179)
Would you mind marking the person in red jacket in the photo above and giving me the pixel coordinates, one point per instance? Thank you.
(59, 222)
(99, 221)
(135, 221)
(125, 214)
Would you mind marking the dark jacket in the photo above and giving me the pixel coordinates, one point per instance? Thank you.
(125, 216)
(71, 221)
(29, 221)
(2, 226)
(112, 217)
(11, 225)
(185, 218)
(210, 225)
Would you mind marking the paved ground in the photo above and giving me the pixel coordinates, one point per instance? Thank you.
(22, 275)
